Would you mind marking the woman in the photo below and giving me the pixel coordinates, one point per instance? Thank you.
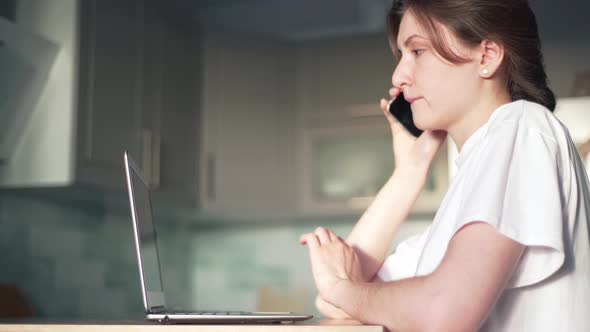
(508, 249)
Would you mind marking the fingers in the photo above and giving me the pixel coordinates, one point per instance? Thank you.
(395, 125)
(394, 92)
(384, 104)
(335, 237)
(310, 239)
(320, 236)
(323, 235)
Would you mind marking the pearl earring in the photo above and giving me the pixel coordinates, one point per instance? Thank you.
(485, 72)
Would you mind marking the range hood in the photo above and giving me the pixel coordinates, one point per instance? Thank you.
(25, 62)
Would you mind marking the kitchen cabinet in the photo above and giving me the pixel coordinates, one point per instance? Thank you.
(140, 93)
(345, 164)
(247, 127)
(110, 113)
(126, 78)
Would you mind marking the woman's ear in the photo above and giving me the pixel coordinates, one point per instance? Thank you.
(492, 55)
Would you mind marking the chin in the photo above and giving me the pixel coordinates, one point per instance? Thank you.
(427, 125)
(424, 119)
(421, 123)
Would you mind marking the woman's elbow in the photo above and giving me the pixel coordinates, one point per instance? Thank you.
(441, 319)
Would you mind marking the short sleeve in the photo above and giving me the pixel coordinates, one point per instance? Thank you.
(515, 187)
(404, 260)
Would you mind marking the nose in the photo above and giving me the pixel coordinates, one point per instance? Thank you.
(402, 75)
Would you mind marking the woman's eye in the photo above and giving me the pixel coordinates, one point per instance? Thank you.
(418, 52)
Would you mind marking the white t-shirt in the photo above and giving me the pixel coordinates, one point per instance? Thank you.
(520, 173)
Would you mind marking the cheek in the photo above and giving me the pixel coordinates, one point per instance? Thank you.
(445, 89)
(432, 81)
(435, 110)
(423, 115)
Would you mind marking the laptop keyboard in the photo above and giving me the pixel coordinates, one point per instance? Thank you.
(232, 313)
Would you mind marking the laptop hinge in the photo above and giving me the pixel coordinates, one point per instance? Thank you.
(157, 309)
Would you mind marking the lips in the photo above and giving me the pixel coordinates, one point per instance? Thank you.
(410, 99)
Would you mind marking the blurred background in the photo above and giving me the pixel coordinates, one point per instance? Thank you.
(253, 120)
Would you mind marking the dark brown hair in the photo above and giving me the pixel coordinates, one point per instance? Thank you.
(510, 23)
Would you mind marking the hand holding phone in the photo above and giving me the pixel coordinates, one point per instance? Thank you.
(401, 110)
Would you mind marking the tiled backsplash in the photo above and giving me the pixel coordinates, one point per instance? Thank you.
(70, 262)
(75, 262)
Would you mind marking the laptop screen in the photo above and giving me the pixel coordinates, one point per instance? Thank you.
(147, 244)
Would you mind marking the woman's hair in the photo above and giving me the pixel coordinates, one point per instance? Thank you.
(510, 23)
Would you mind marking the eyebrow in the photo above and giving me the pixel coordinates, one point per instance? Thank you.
(409, 39)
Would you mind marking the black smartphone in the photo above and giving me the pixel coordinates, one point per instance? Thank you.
(402, 111)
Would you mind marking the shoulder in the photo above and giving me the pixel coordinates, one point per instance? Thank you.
(520, 135)
(525, 118)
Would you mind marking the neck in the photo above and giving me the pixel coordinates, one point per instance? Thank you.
(477, 116)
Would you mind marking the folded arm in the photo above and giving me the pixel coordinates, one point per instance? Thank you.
(457, 296)
(373, 234)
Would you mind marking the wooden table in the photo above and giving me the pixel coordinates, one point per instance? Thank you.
(136, 326)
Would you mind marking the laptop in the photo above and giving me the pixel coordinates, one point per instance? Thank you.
(149, 266)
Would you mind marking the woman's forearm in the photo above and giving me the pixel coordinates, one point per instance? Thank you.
(402, 305)
(329, 310)
(373, 233)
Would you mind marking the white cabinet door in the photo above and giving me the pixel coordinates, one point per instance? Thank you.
(247, 127)
(175, 112)
(110, 107)
(142, 96)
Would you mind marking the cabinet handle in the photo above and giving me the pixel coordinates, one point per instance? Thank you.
(211, 176)
(150, 152)
(146, 154)
(155, 174)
